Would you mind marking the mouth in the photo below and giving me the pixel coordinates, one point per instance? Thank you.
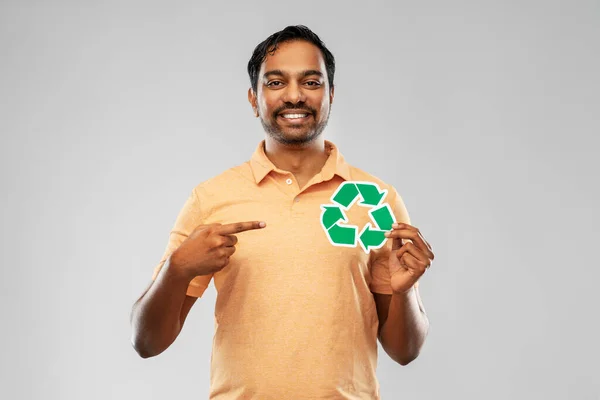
(294, 118)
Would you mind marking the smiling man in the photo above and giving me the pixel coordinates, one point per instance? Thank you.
(299, 308)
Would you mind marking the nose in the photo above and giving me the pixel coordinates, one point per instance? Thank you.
(293, 93)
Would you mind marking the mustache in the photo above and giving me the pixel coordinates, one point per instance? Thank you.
(292, 107)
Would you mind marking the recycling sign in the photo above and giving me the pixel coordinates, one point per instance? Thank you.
(345, 235)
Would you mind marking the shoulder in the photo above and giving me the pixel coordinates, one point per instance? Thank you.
(224, 181)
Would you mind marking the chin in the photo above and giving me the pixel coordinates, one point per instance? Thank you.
(292, 135)
(297, 139)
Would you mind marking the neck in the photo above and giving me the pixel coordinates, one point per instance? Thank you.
(306, 160)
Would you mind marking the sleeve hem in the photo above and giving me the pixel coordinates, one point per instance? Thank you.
(386, 289)
(381, 289)
(196, 291)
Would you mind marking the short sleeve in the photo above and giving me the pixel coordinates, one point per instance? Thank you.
(380, 273)
(188, 219)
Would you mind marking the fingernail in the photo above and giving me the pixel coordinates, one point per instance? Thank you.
(386, 233)
(262, 224)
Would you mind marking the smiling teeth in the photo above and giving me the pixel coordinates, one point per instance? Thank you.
(294, 115)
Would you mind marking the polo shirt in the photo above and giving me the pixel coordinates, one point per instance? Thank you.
(294, 315)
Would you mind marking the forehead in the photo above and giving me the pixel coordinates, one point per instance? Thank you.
(294, 57)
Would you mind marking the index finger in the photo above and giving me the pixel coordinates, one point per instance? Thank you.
(237, 227)
(414, 229)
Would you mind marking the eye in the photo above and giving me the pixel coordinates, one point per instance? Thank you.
(274, 83)
(313, 83)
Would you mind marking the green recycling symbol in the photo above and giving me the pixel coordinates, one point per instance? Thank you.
(371, 236)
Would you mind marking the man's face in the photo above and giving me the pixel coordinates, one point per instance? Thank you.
(293, 97)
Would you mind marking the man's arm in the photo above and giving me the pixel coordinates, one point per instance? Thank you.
(157, 317)
(403, 324)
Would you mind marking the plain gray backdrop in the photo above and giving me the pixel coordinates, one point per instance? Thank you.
(484, 115)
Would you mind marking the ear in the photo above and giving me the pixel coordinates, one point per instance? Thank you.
(331, 95)
(252, 101)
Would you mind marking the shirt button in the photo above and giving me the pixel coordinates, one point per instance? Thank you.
(288, 181)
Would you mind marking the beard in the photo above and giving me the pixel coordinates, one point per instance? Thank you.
(293, 135)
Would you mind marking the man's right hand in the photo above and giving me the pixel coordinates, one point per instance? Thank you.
(208, 248)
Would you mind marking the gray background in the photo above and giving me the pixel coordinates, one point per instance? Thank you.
(484, 115)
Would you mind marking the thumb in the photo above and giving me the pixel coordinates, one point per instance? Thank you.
(396, 244)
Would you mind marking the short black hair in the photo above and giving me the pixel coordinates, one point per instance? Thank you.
(290, 33)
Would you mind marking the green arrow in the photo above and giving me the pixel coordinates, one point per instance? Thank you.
(383, 217)
(371, 238)
(370, 194)
(346, 194)
(332, 215)
(342, 235)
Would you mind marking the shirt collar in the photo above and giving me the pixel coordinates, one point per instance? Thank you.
(335, 164)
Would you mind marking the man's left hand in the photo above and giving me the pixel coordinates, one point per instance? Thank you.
(410, 260)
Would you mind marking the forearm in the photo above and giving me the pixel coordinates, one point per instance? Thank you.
(155, 318)
(403, 332)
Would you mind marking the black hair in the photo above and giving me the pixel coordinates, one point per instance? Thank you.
(290, 33)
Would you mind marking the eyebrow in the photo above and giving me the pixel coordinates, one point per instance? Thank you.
(303, 74)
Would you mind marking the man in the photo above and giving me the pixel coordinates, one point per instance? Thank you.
(301, 298)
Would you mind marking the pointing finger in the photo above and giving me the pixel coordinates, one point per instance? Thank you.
(238, 227)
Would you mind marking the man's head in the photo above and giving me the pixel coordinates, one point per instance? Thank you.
(291, 76)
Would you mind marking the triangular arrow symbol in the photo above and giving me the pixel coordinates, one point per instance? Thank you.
(370, 194)
(371, 238)
(331, 215)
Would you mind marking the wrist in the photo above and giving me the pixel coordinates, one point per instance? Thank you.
(175, 270)
(403, 295)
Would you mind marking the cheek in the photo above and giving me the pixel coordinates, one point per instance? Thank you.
(260, 98)
(324, 110)
(266, 104)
